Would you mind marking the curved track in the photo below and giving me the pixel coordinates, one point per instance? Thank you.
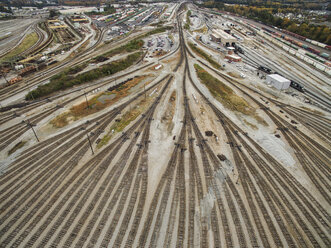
(55, 194)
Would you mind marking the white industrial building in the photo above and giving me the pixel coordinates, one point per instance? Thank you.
(221, 36)
(278, 81)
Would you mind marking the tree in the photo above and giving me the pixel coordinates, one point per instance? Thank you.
(53, 13)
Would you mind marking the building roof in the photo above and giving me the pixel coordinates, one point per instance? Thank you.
(53, 20)
(224, 35)
(278, 78)
(79, 20)
(60, 26)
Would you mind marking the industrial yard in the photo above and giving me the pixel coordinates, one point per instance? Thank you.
(162, 125)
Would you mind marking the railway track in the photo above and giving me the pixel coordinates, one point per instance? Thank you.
(99, 125)
(40, 40)
(51, 196)
(311, 238)
(14, 131)
(35, 80)
(17, 43)
(14, 89)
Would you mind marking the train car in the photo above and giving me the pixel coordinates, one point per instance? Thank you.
(264, 69)
(15, 80)
(27, 70)
(316, 51)
(321, 44)
(324, 55)
(297, 86)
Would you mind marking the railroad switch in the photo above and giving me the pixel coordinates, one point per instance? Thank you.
(221, 121)
(265, 108)
(239, 147)
(136, 134)
(230, 143)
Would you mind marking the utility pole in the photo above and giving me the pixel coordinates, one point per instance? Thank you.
(86, 100)
(4, 76)
(31, 126)
(31, 94)
(88, 138)
(145, 92)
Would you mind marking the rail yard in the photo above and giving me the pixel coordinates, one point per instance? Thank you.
(162, 125)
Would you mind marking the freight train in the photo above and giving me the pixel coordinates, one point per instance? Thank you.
(293, 84)
(297, 86)
(300, 44)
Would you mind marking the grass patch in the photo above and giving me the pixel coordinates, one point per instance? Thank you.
(250, 124)
(155, 31)
(27, 42)
(131, 46)
(126, 119)
(225, 95)
(207, 57)
(18, 146)
(188, 22)
(158, 24)
(233, 74)
(96, 104)
(203, 30)
(64, 81)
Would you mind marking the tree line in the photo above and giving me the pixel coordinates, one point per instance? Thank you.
(321, 33)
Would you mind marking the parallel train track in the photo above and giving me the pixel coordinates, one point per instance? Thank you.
(104, 202)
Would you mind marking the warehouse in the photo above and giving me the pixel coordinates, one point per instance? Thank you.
(224, 38)
(278, 81)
